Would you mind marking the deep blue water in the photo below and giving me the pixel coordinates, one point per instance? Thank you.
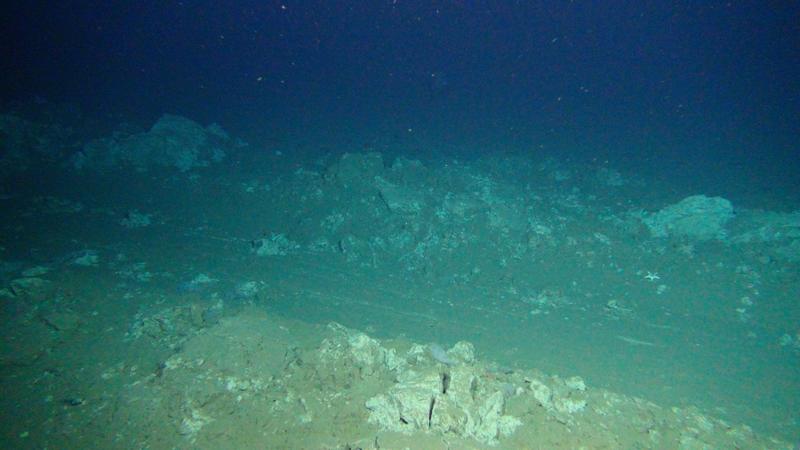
(686, 83)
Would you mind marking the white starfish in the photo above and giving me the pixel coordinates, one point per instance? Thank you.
(652, 276)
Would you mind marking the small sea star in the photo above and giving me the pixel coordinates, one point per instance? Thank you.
(652, 276)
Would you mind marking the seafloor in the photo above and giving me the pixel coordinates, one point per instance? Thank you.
(177, 287)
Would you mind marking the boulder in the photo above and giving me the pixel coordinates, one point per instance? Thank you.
(697, 217)
(173, 142)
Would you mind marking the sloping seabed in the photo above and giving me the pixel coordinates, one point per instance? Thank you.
(173, 288)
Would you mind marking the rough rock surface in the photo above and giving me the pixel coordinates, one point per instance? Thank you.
(697, 217)
(444, 399)
(173, 142)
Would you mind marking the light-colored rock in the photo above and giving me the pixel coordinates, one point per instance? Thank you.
(463, 351)
(697, 217)
(399, 199)
(356, 170)
(135, 219)
(275, 245)
(36, 271)
(32, 288)
(558, 396)
(173, 142)
(350, 349)
(452, 401)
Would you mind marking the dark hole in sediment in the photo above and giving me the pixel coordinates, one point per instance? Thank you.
(445, 382)
(430, 411)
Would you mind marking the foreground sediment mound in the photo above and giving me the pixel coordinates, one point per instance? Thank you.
(248, 380)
